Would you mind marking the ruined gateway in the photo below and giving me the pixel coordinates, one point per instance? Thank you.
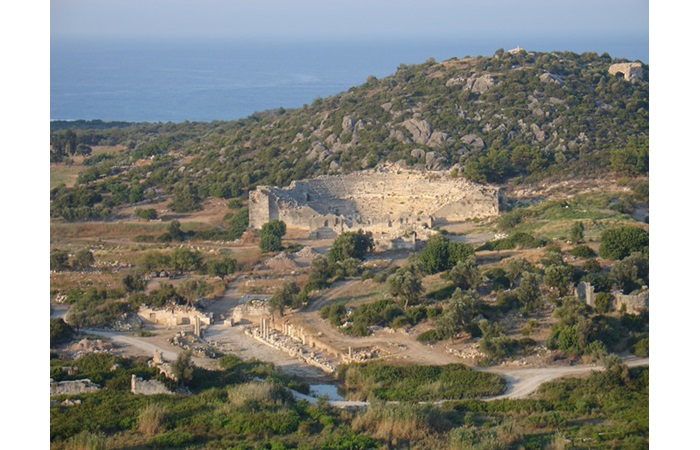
(388, 202)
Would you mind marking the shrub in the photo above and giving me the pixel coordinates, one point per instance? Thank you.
(641, 348)
(83, 259)
(173, 439)
(58, 260)
(620, 242)
(351, 245)
(271, 235)
(146, 214)
(429, 336)
(60, 332)
(583, 251)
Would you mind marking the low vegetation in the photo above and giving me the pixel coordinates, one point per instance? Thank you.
(418, 383)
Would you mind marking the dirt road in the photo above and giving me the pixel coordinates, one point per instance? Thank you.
(523, 382)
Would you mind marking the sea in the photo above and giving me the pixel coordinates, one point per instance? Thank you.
(206, 80)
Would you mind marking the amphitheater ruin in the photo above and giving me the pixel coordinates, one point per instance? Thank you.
(388, 202)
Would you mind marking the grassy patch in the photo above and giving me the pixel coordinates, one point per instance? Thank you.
(419, 383)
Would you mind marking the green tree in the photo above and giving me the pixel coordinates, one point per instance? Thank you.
(154, 260)
(192, 290)
(494, 342)
(238, 224)
(583, 251)
(185, 199)
(528, 292)
(165, 294)
(620, 242)
(351, 245)
(572, 331)
(182, 259)
(271, 235)
(222, 267)
(405, 284)
(466, 274)
(183, 367)
(174, 232)
(515, 268)
(458, 314)
(458, 251)
(58, 260)
(436, 254)
(83, 259)
(558, 278)
(133, 282)
(283, 298)
(60, 332)
(146, 214)
(576, 232)
(631, 273)
(321, 272)
(633, 158)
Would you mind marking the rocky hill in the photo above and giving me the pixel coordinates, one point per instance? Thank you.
(515, 115)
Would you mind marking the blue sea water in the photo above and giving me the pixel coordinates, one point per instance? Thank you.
(161, 81)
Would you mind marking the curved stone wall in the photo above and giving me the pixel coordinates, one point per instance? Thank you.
(382, 201)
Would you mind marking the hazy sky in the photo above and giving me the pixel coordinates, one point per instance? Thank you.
(275, 19)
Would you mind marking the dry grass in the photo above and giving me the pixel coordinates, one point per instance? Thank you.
(81, 231)
(64, 281)
(253, 394)
(68, 174)
(150, 420)
(399, 422)
(86, 441)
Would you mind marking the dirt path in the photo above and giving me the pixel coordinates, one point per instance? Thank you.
(523, 382)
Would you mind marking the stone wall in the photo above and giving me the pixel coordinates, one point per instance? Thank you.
(387, 201)
(147, 387)
(174, 316)
(73, 387)
(586, 293)
(634, 304)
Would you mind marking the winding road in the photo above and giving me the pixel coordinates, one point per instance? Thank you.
(521, 382)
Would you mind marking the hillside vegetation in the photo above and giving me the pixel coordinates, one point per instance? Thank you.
(489, 119)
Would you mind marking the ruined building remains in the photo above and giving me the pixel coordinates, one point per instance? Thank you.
(387, 202)
(630, 71)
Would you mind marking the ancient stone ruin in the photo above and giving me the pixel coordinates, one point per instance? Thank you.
(388, 202)
(147, 387)
(632, 303)
(73, 387)
(631, 71)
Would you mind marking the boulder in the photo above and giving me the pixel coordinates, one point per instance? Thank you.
(474, 142)
(437, 138)
(539, 134)
(418, 153)
(551, 78)
(347, 124)
(420, 130)
(434, 161)
(480, 84)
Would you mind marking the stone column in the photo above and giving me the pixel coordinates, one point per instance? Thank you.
(197, 327)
